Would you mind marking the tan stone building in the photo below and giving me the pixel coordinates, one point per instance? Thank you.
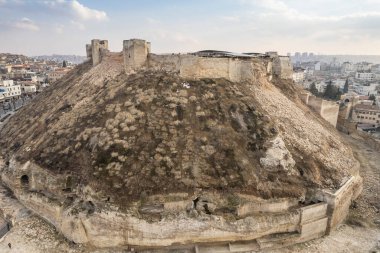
(57, 74)
(366, 114)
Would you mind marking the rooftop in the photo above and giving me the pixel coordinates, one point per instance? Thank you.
(367, 107)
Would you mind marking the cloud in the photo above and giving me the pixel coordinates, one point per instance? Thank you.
(152, 21)
(77, 10)
(231, 18)
(25, 24)
(59, 29)
(78, 25)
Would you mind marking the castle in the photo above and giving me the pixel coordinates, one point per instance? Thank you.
(204, 64)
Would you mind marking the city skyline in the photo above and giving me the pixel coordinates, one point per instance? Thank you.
(61, 27)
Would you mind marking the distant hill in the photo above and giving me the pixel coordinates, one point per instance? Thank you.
(76, 59)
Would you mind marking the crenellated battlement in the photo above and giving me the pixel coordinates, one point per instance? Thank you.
(204, 64)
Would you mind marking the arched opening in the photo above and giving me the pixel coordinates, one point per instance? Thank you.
(24, 181)
(346, 100)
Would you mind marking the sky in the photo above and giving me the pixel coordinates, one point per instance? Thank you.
(36, 27)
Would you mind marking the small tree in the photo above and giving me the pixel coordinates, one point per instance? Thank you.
(378, 89)
(313, 89)
(372, 97)
(345, 88)
(331, 91)
(64, 64)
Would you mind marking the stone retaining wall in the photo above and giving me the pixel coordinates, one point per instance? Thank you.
(111, 228)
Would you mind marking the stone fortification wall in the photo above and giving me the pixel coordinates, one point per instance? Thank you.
(328, 110)
(98, 49)
(195, 67)
(168, 62)
(85, 220)
(88, 51)
(135, 54)
(339, 201)
(266, 206)
(282, 67)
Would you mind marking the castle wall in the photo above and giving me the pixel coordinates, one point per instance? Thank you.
(170, 62)
(330, 112)
(88, 51)
(266, 206)
(327, 109)
(98, 48)
(195, 67)
(315, 103)
(339, 201)
(113, 228)
(135, 54)
(282, 67)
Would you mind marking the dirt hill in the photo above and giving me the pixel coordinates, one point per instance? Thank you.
(128, 136)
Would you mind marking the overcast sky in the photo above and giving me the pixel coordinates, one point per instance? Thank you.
(35, 27)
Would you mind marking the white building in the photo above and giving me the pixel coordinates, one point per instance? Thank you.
(28, 87)
(339, 83)
(366, 114)
(363, 66)
(8, 89)
(366, 90)
(365, 76)
(375, 68)
(321, 86)
(299, 75)
(57, 74)
(348, 67)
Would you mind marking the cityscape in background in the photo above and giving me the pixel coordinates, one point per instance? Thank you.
(352, 81)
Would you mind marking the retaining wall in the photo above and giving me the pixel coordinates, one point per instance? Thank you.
(111, 228)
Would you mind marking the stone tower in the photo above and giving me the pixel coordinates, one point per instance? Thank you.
(135, 53)
(89, 51)
(98, 48)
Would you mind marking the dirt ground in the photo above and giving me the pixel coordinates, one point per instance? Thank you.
(361, 233)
